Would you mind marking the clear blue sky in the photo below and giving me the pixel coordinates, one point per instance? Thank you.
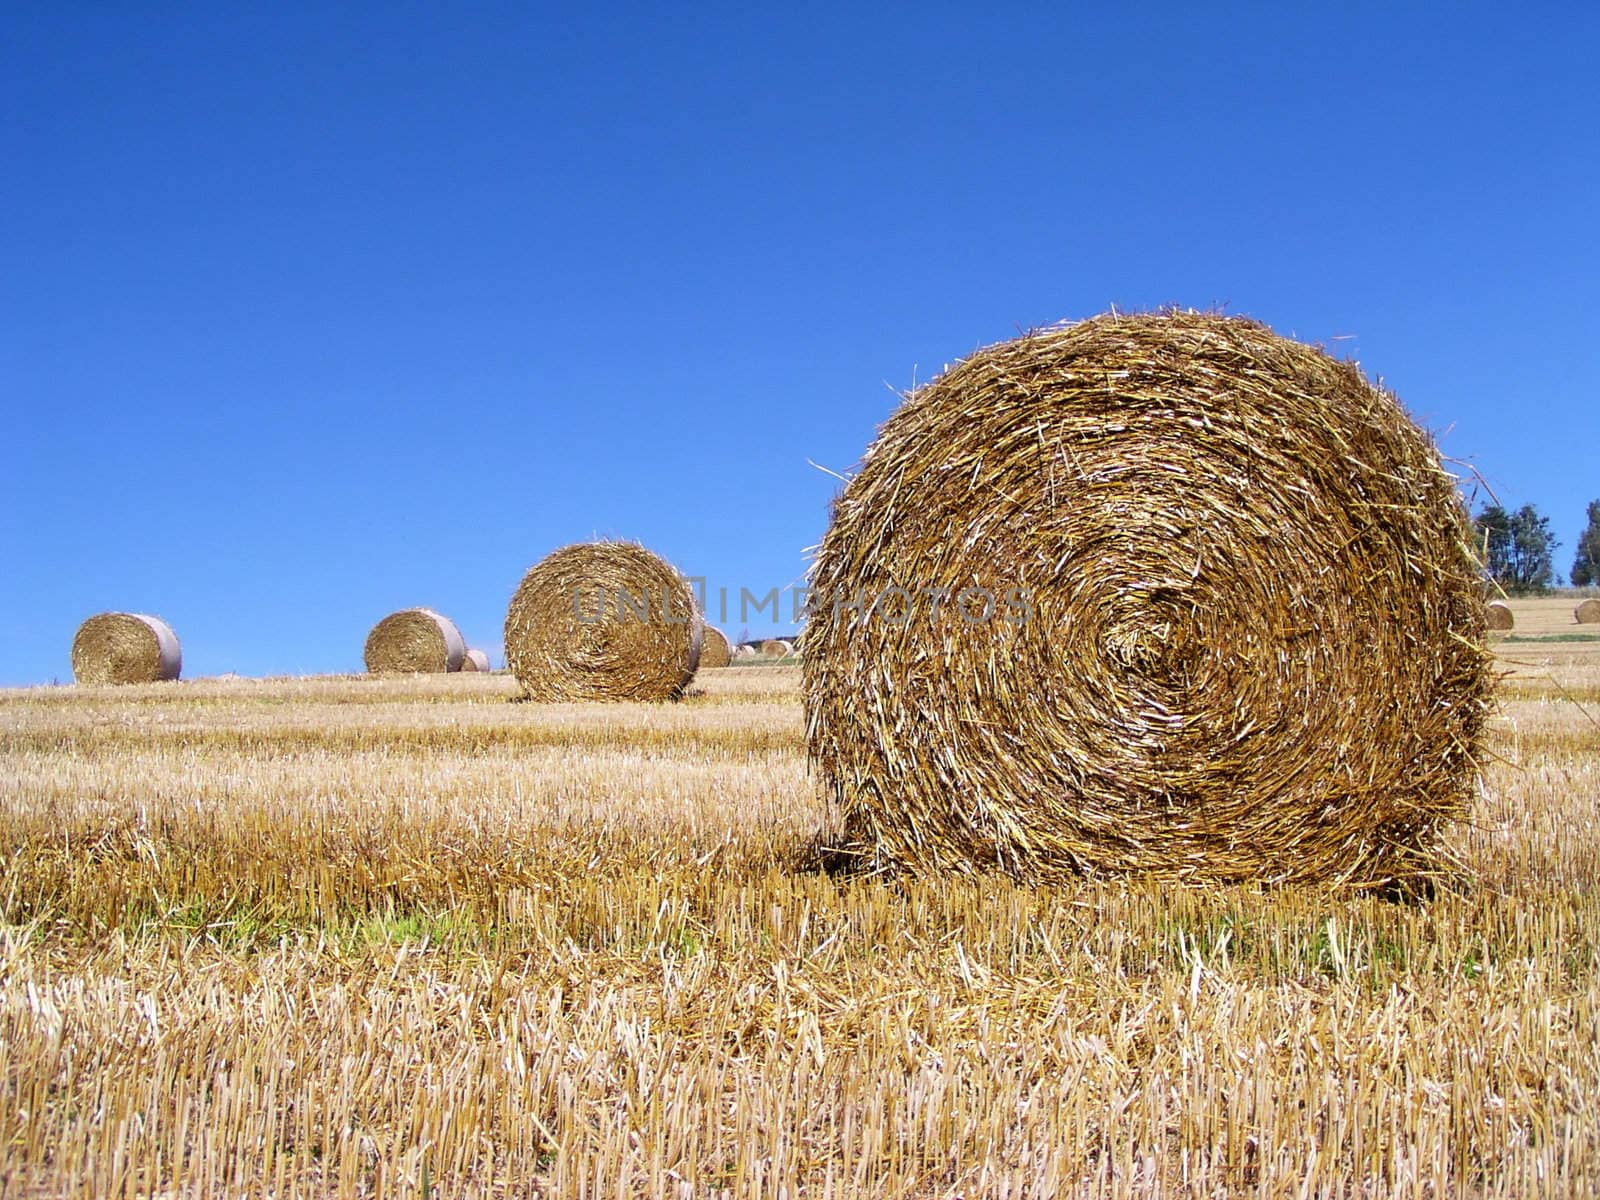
(311, 312)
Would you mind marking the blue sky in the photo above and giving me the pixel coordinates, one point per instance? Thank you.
(310, 313)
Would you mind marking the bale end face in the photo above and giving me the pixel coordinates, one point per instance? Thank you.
(1209, 613)
(414, 641)
(714, 649)
(117, 647)
(603, 621)
(1587, 613)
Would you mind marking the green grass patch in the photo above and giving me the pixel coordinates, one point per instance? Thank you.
(1552, 637)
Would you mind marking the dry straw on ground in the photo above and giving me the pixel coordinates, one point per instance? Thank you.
(1497, 615)
(1230, 625)
(475, 660)
(117, 647)
(714, 649)
(324, 938)
(414, 640)
(776, 648)
(603, 621)
(1587, 613)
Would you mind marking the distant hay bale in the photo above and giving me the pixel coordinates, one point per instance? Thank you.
(1497, 616)
(474, 660)
(776, 648)
(744, 650)
(1211, 613)
(414, 640)
(603, 621)
(714, 649)
(1587, 613)
(118, 647)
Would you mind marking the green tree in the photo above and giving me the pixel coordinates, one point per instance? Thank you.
(1493, 524)
(1517, 547)
(1586, 563)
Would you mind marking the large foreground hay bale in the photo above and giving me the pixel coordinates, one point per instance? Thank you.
(415, 640)
(1587, 613)
(475, 660)
(714, 649)
(118, 647)
(1498, 617)
(1224, 621)
(603, 621)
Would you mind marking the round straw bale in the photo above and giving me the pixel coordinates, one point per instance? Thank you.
(1587, 613)
(714, 649)
(603, 621)
(118, 647)
(776, 648)
(1163, 594)
(474, 660)
(1497, 616)
(744, 650)
(415, 640)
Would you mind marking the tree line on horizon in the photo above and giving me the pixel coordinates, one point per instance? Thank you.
(1518, 549)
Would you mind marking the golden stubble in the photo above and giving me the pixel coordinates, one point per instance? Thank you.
(396, 937)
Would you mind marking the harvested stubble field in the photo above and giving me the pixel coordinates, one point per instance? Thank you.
(399, 937)
(1546, 631)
